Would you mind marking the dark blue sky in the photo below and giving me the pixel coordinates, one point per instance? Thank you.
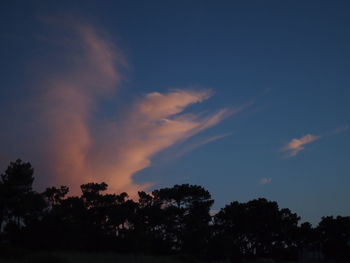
(288, 62)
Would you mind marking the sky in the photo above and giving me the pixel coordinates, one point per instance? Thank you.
(245, 98)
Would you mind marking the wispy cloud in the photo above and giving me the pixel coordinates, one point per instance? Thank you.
(296, 145)
(265, 180)
(339, 130)
(153, 124)
(77, 151)
(196, 144)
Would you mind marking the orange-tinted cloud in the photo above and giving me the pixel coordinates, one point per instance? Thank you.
(119, 149)
(68, 103)
(153, 124)
(297, 145)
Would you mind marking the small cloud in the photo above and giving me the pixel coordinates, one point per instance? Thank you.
(297, 144)
(265, 180)
(339, 130)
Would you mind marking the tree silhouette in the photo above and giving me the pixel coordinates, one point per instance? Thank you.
(150, 225)
(171, 220)
(17, 198)
(335, 237)
(20, 205)
(255, 229)
(186, 211)
(54, 196)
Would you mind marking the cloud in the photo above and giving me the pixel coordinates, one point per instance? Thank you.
(54, 115)
(265, 180)
(339, 130)
(194, 145)
(153, 124)
(68, 101)
(296, 145)
(77, 149)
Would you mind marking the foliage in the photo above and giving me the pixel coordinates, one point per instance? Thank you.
(173, 221)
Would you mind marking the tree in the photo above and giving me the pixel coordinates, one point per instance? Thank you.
(17, 198)
(257, 228)
(186, 212)
(335, 237)
(18, 177)
(20, 206)
(150, 226)
(54, 196)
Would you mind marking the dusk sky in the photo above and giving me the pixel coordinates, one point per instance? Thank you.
(245, 98)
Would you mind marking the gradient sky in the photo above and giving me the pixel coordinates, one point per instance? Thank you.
(246, 98)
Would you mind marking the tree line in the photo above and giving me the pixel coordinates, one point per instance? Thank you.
(175, 220)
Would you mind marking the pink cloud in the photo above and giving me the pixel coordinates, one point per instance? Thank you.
(76, 153)
(297, 145)
(153, 124)
(68, 102)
